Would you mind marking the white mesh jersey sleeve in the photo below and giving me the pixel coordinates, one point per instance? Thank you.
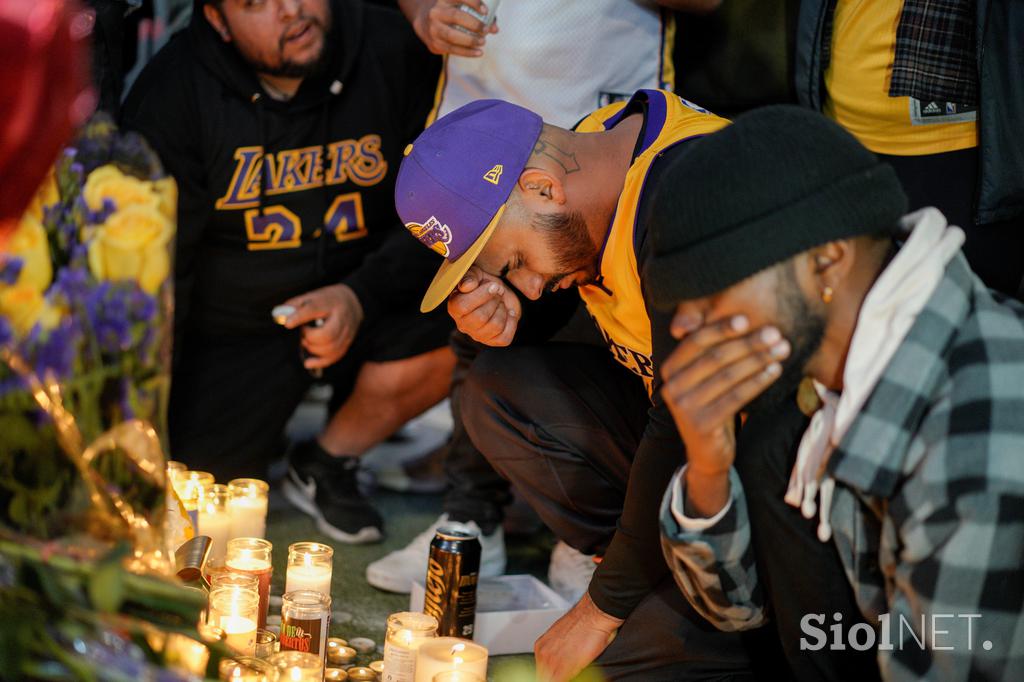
(565, 58)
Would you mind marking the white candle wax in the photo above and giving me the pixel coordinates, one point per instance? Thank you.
(248, 517)
(218, 527)
(263, 571)
(240, 634)
(315, 578)
(248, 564)
(449, 653)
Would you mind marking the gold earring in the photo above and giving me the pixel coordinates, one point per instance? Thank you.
(826, 295)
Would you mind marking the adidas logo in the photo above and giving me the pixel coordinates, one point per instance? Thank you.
(932, 108)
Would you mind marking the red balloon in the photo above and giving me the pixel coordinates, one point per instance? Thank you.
(44, 93)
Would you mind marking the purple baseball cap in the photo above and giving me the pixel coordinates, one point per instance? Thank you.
(455, 179)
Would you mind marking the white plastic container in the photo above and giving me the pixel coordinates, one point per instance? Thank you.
(512, 611)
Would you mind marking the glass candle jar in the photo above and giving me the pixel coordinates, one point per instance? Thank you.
(214, 519)
(305, 621)
(174, 470)
(248, 507)
(190, 488)
(235, 612)
(297, 666)
(247, 669)
(251, 556)
(310, 565)
(238, 581)
(266, 643)
(405, 632)
(443, 654)
(457, 676)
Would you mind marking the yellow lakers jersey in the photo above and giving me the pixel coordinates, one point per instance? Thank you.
(615, 301)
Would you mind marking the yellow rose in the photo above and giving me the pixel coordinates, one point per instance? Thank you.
(133, 244)
(108, 182)
(24, 305)
(167, 190)
(29, 243)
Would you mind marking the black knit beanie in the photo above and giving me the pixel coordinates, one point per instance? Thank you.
(779, 181)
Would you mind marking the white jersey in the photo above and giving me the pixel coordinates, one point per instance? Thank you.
(564, 58)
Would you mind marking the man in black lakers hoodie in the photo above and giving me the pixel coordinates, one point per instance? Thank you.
(284, 122)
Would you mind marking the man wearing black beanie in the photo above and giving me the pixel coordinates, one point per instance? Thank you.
(782, 269)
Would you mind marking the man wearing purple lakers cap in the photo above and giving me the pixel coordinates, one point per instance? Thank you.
(519, 208)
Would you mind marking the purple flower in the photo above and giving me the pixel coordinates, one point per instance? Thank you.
(73, 285)
(10, 269)
(107, 309)
(120, 314)
(6, 332)
(99, 217)
(55, 350)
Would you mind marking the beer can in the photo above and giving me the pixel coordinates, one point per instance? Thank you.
(453, 569)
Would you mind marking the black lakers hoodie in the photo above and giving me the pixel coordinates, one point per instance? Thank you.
(278, 198)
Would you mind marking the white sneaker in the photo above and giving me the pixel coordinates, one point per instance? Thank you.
(570, 571)
(395, 572)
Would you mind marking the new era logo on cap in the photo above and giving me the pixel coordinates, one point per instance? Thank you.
(493, 176)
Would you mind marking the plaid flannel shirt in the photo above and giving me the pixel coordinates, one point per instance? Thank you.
(935, 58)
(928, 511)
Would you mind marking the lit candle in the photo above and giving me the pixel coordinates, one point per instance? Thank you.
(214, 519)
(362, 674)
(335, 675)
(240, 634)
(457, 676)
(305, 619)
(339, 653)
(239, 581)
(252, 556)
(246, 669)
(248, 507)
(310, 565)
(235, 612)
(405, 633)
(175, 470)
(266, 644)
(189, 486)
(295, 666)
(445, 654)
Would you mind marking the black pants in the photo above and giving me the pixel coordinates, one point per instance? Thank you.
(562, 421)
(799, 573)
(476, 492)
(949, 181)
(231, 398)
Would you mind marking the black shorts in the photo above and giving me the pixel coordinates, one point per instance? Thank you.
(231, 398)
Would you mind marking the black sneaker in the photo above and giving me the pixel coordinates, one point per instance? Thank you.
(325, 487)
